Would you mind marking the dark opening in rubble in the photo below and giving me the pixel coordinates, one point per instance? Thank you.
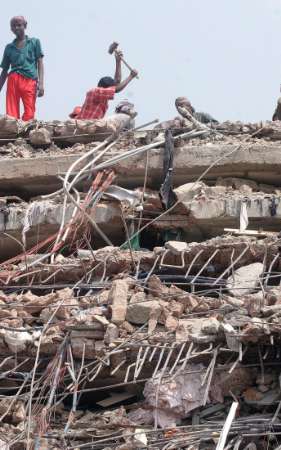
(101, 400)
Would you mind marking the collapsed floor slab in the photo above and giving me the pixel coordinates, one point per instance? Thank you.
(204, 213)
(215, 256)
(199, 219)
(42, 220)
(261, 162)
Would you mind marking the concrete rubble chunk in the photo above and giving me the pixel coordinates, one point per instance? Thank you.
(245, 279)
(17, 341)
(253, 303)
(176, 246)
(84, 254)
(188, 191)
(197, 330)
(51, 340)
(230, 336)
(190, 302)
(254, 330)
(236, 382)
(111, 334)
(10, 125)
(66, 304)
(118, 299)
(174, 398)
(40, 136)
(270, 310)
(140, 313)
(82, 346)
(176, 308)
(157, 288)
(35, 303)
(138, 297)
(171, 323)
(127, 327)
(102, 298)
(210, 326)
(273, 297)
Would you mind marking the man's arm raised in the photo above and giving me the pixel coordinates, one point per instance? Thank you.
(119, 87)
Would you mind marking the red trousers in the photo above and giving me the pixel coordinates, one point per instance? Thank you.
(21, 88)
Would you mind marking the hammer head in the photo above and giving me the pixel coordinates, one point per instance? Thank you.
(113, 47)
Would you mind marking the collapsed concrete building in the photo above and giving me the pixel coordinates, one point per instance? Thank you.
(140, 285)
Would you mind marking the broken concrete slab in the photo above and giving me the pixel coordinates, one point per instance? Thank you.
(41, 219)
(261, 163)
(245, 279)
(186, 192)
(174, 398)
(176, 246)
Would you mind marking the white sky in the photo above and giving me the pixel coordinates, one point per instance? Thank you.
(224, 55)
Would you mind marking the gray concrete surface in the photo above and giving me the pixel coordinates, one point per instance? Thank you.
(262, 163)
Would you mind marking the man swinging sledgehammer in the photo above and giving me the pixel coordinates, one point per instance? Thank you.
(96, 102)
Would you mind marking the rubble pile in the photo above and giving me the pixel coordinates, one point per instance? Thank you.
(36, 138)
(140, 298)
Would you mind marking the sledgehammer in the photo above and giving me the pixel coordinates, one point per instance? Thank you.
(112, 49)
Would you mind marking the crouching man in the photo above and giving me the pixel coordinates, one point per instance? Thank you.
(186, 109)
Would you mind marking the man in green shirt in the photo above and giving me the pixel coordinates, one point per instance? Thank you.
(24, 58)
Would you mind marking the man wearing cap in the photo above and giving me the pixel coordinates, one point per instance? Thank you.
(202, 117)
(24, 58)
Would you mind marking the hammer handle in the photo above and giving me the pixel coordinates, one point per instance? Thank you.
(128, 66)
